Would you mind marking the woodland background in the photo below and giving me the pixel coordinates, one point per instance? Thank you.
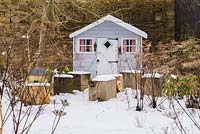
(36, 28)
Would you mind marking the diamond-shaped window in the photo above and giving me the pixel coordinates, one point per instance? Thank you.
(107, 44)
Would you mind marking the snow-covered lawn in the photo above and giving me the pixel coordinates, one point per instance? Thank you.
(109, 117)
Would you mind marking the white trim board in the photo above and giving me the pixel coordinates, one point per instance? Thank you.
(114, 20)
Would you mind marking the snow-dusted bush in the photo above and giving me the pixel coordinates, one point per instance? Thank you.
(187, 86)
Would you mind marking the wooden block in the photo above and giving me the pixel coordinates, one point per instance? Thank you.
(152, 84)
(132, 79)
(35, 94)
(102, 90)
(81, 80)
(63, 83)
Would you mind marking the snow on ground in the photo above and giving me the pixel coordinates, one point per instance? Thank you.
(109, 117)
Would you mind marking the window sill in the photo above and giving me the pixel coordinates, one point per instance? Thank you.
(85, 52)
(129, 53)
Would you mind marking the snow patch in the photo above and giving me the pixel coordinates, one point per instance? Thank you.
(37, 84)
(78, 72)
(152, 75)
(132, 71)
(3, 53)
(116, 75)
(103, 78)
(64, 76)
(173, 76)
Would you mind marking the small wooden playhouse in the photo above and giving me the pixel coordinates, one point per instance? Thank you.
(36, 90)
(107, 46)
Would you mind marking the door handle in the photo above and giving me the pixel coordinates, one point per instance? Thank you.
(113, 61)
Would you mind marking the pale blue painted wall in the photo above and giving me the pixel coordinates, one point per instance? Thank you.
(107, 29)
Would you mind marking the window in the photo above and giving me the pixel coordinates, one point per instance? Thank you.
(85, 45)
(35, 81)
(129, 45)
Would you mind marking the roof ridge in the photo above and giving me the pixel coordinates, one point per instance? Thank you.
(114, 20)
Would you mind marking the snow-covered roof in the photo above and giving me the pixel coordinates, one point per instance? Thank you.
(114, 20)
(38, 71)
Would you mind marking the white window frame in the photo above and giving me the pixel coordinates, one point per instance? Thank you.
(86, 39)
(122, 45)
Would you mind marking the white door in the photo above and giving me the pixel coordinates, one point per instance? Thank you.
(107, 56)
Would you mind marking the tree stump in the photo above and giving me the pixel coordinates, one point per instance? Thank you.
(132, 79)
(35, 93)
(62, 83)
(102, 88)
(152, 84)
(81, 80)
(119, 82)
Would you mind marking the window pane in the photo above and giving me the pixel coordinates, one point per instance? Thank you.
(132, 48)
(82, 42)
(126, 48)
(128, 43)
(88, 42)
(132, 42)
(125, 45)
(88, 48)
(125, 42)
(82, 48)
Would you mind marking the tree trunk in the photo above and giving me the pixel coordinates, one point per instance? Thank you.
(1, 118)
(43, 29)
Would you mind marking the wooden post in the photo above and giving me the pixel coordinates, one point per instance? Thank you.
(132, 79)
(81, 80)
(152, 84)
(63, 83)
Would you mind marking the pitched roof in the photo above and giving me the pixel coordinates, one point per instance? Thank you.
(38, 71)
(114, 20)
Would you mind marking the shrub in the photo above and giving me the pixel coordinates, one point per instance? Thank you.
(187, 86)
